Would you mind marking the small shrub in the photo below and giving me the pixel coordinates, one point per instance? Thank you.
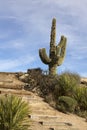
(66, 104)
(47, 84)
(84, 99)
(80, 95)
(66, 84)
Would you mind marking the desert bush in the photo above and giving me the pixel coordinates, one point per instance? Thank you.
(66, 84)
(65, 92)
(13, 113)
(66, 104)
(47, 84)
(80, 95)
(84, 99)
(35, 74)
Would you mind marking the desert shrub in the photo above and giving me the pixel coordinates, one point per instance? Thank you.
(84, 99)
(66, 104)
(35, 74)
(80, 95)
(32, 79)
(13, 113)
(66, 84)
(47, 84)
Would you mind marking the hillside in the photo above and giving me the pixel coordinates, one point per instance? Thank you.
(10, 80)
(43, 116)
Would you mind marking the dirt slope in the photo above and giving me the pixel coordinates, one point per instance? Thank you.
(10, 80)
(44, 117)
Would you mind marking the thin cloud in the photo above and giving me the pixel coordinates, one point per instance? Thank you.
(14, 44)
(7, 64)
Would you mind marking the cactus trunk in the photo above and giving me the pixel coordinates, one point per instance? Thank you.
(56, 53)
(52, 69)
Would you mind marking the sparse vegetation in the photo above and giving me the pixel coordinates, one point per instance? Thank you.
(66, 85)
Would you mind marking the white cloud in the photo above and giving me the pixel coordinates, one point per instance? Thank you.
(14, 44)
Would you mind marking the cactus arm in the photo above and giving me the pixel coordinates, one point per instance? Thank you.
(62, 51)
(58, 51)
(62, 41)
(45, 59)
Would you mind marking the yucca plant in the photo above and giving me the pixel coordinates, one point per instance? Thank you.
(13, 113)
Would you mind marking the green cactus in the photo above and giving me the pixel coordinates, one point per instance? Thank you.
(56, 53)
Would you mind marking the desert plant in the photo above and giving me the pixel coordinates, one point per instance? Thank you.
(66, 84)
(13, 113)
(57, 53)
(80, 94)
(47, 83)
(66, 104)
(84, 99)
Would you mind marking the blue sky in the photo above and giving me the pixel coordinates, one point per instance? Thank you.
(25, 27)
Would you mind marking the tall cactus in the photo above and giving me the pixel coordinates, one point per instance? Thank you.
(56, 53)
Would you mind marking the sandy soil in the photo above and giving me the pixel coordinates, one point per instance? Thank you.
(41, 111)
(84, 79)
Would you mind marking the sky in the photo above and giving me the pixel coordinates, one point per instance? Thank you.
(25, 27)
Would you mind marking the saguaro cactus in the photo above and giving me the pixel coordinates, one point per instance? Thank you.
(56, 53)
